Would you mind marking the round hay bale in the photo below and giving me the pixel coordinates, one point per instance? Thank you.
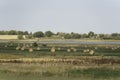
(27, 46)
(6, 45)
(30, 49)
(91, 52)
(107, 47)
(58, 48)
(68, 50)
(113, 48)
(96, 48)
(53, 49)
(18, 47)
(31, 44)
(86, 50)
(38, 48)
(74, 50)
(23, 48)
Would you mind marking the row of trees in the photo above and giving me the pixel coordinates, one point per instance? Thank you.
(71, 35)
(41, 34)
(14, 32)
(36, 34)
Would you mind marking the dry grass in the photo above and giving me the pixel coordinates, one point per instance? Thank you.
(8, 37)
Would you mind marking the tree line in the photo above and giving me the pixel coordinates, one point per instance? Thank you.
(50, 34)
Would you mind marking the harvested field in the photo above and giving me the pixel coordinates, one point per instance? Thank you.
(56, 61)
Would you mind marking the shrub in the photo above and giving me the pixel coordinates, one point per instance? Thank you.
(48, 33)
(44, 45)
(38, 34)
(35, 44)
(20, 37)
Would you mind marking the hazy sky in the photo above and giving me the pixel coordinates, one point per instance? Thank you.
(100, 16)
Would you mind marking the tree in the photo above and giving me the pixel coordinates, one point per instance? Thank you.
(20, 37)
(75, 35)
(12, 32)
(115, 34)
(38, 34)
(101, 36)
(35, 44)
(61, 34)
(91, 34)
(26, 33)
(67, 36)
(84, 35)
(2, 32)
(48, 33)
(20, 33)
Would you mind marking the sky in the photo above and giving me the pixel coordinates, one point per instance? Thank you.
(80, 16)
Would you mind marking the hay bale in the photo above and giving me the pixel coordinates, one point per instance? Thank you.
(58, 48)
(106, 47)
(113, 48)
(96, 48)
(38, 48)
(68, 50)
(6, 45)
(91, 52)
(18, 47)
(86, 50)
(23, 48)
(27, 46)
(30, 49)
(53, 49)
(74, 50)
(31, 45)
